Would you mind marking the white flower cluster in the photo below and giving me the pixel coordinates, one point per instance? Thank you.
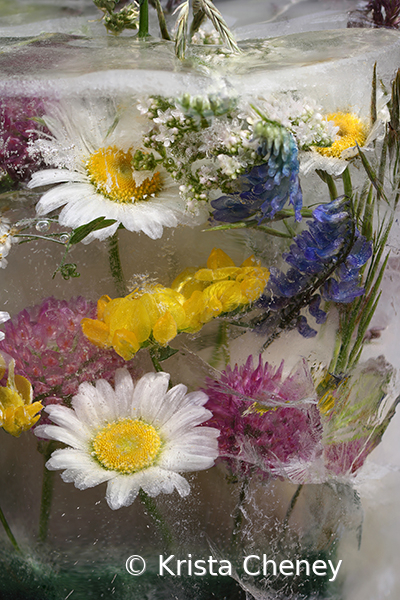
(198, 129)
(303, 117)
(206, 36)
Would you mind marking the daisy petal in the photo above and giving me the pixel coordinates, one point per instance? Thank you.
(122, 491)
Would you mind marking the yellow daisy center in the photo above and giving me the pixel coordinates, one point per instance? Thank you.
(127, 446)
(111, 171)
(352, 131)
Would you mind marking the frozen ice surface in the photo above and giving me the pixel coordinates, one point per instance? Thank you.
(320, 64)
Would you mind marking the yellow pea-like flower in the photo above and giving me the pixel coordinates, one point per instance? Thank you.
(131, 315)
(17, 412)
(101, 305)
(219, 259)
(165, 329)
(158, 314)
(96, 332)
(125, 343)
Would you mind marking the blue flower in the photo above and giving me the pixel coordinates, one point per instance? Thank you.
(325, 262)
(266, 188)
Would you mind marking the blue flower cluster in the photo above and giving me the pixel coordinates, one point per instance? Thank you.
(265, 189)
(325, 262)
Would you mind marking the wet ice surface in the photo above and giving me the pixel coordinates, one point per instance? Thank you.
(324, 61)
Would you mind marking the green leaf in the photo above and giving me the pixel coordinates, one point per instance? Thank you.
(81, 232)
(69, 270)
(373, 98)
(162, 353)
(371, 174)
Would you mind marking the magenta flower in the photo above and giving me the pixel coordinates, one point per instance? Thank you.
(50, 350)
(267, 421)
(19, 125)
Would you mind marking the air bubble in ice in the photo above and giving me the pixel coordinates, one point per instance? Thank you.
(43, 226)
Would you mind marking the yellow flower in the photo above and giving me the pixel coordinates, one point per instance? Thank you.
(195, 297)
(17, 413)
(352, 131)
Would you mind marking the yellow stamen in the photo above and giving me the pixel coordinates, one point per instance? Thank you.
(352, 131)
(111, 172)
(127, 446)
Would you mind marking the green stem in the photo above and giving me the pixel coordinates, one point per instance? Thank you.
(8, 531)
(47, 493)
(161, 21)
(347, 185)
(336, 351)
(155, 361)
(250, 225)
(221, 345)
(115, 265)
(291, 506)
(144, 19)
(328, 179)
(238, 514)
(157, 517)
(285, 213)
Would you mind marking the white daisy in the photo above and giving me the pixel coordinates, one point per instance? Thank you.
(352, 133)
(94, 150)
(138, 436)
(4, 316)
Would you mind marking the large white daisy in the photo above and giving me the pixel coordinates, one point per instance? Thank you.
(95, 151)
(138, 436)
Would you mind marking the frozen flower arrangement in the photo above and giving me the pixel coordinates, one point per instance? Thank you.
(228, 164)
(253, 153)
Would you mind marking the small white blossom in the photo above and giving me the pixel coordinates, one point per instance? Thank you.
(229, 165)
(7, 233)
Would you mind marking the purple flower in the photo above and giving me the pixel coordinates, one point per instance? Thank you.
(266, 188)
(325, 262)
(50, 350)
(376, 13)
(19, 124)
(266, 420)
